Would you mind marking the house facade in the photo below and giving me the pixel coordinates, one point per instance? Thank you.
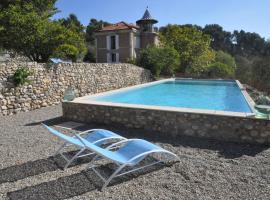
(122, 41)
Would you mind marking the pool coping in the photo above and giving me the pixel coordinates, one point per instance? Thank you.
(250, 102)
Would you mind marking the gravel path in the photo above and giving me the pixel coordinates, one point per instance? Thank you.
(208, 169)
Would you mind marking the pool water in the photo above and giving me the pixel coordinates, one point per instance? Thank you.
(209, 95)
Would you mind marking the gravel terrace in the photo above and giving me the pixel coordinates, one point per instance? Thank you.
(208, 169)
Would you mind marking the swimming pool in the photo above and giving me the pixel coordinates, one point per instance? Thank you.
(215, 95)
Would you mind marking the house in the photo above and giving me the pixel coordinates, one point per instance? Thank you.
(123, 41)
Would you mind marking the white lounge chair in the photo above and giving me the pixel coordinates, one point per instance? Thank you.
(95, 136)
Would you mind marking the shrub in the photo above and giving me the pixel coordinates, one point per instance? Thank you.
(223, 67)
(21, 76)
(225, 58)
(260, 71)
(220, 70)
(89, 57)
(159, 60)
(67, 52)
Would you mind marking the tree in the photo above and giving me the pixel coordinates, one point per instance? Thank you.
(248, 44)
(72, 22)
(35, 35)
(192, 45)
(220, 70)
(40, 6)
(159, 60)
(225, 58)
(93, 26)
(260, 74)
(220, 39)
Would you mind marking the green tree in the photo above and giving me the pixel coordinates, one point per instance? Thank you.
(248, 44)
(225, 58)
(260, 71)
(93, 26)
(220, 39)
(192, 45)
(33, 34)
(159, 60)
(223, 66)
(72, 22)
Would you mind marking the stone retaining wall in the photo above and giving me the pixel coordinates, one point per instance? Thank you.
(49, 82)
(225, 128)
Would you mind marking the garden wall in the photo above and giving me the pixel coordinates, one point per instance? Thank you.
(49, 81)
(172, 123)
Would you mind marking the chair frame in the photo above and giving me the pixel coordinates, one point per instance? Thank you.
(117, 173)
(80, 154)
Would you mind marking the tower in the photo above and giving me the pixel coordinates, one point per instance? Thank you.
(148, 35)
(146, 23)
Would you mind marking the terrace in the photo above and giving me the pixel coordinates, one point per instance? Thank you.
(209, 169)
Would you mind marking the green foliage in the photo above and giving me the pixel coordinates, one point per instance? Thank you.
(192, 45)
(219, 70)
(93, 26)
(159, 60)
(72, 23)
(21, 76)
(90, 57)
(66, 52)
(260, 71)
(132, 61)
(225, 58)
(220, 39)
(28, 31)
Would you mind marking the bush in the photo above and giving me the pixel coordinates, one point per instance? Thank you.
(163, 60)
(260, 71)
(21, 76)
(219, 70)
(225, 58)
(66, 52)
(89, 57)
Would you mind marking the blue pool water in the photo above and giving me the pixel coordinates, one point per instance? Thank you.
(210, 95)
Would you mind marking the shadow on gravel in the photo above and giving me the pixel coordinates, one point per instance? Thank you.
(49, 122)
(74, 185)
(33, 168)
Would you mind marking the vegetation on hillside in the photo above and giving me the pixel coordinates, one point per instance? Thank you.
(26, 28)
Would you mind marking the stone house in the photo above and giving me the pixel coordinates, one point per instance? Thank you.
(122, 41)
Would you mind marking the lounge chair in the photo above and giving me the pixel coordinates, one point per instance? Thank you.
(129, 154)
(94, 136)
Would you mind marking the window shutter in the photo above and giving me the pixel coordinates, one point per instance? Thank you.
(117, 41)
(108, 40)
(117, 57)
(108, 58)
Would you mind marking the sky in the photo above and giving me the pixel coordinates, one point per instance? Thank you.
(248, 15)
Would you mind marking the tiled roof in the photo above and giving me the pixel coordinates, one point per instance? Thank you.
(119, 26)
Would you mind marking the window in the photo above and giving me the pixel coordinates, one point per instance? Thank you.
(137, 42)
(113, 57)
(113, 42)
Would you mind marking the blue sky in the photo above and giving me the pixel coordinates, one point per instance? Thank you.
(249, 15)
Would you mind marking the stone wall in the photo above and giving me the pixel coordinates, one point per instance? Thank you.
(49, 82)
(169, 123)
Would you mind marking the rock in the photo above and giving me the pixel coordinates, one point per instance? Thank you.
(4, 108)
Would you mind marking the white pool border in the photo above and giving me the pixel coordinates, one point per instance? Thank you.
(87, 100)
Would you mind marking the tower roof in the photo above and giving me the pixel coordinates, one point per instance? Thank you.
(147, 18)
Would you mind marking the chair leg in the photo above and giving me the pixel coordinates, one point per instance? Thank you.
(60, 148)
(112, 176)
(91, 163)
(73, 158)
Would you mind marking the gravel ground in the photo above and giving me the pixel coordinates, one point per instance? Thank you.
(208, 169)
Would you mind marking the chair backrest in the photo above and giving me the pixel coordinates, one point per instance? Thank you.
(64, 137)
